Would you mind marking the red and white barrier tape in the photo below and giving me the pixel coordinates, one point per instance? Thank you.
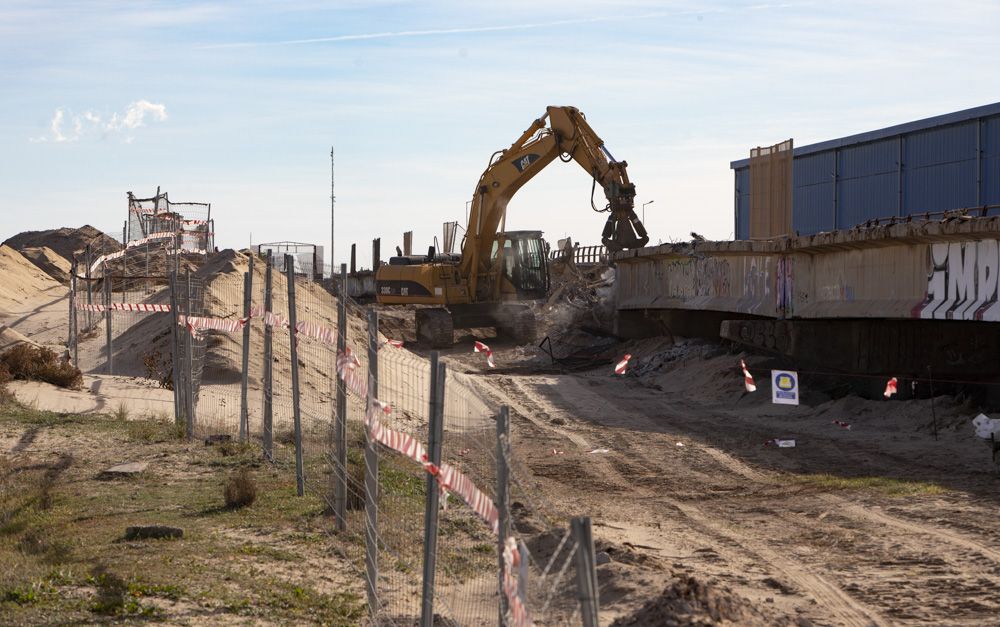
(121, 253)
(890, 388)
(511, 561)
(144, 307)
(394, 343)
(623, 364)
(747, 378)
(842, 424)
(194, 221)
(479, 347)
(196, 324)
(448, 477)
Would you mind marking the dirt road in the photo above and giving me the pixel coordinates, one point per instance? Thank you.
(876, 525)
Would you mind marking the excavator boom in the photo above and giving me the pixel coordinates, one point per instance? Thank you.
(498, 268)
(569, 137)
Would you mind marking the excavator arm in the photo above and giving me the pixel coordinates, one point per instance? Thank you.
(569, 137)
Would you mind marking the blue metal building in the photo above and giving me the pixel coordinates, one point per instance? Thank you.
(941, 163)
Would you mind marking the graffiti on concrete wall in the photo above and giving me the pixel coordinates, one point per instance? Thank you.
(785, 286)
(962, 282)
(756, 285)
(712, 278)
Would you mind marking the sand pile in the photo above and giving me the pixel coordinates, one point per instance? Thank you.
(22, 281)
(65, 241)
(50, 262)
(9, 337)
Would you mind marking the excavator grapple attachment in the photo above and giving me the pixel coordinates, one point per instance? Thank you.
(624, 232)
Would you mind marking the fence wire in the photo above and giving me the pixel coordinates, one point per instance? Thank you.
(210, 368)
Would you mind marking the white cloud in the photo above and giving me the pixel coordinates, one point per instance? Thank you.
(90, 124)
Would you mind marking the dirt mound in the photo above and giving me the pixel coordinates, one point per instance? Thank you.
(50, 262)
(688, 601)
(9, 337)
(22, 280)
(65, 241)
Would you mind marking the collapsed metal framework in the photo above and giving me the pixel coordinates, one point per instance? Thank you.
(191, 221)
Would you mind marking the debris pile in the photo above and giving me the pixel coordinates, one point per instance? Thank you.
(688, 601)
(580, 307)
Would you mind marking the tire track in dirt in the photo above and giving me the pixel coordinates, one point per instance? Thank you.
(735, 546)
(882, 519)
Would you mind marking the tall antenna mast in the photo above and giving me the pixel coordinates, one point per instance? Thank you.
(333, 202)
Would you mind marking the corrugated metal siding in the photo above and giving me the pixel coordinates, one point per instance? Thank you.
(991, 161)
(867, 182)
(812, 193)
(866, 198)
(940, 170)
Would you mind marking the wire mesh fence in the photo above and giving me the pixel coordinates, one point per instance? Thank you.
(422, 481)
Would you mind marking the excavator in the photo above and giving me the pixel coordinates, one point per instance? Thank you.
(490, 283)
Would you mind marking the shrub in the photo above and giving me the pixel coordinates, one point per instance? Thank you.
(37, 363)
(241, 490)
(159, 368)
(5, 378)
(111, 590)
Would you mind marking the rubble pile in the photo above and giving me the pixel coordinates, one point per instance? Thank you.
(580, 306)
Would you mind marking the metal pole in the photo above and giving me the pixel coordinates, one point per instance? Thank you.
(70, 334)
(503, 500)
(90, 295)
(371, 475)
(189, 359)
(435, 435)
(333, 213)
(175, 353)
(107, 321)
(245, 362)
(340, 419)
(268, 407)
(522, 576)
(300, 482)
(586, 571)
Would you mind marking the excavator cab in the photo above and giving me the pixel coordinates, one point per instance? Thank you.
(525, 269)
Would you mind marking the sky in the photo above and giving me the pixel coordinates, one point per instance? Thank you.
(239, 103)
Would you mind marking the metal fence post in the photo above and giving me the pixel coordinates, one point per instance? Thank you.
(245, 363)
(107, 321)
(268, 367)
(175, 352)
(586, 571)
(503, 500)
(340, 420)
(71, 334)
(435, 435)
(300, 482)
(371, 474)
(90, 294)
(189, 359)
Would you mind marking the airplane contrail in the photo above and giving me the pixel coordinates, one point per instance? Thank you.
(448, 31)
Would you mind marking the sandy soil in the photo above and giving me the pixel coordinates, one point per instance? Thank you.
(879, 524)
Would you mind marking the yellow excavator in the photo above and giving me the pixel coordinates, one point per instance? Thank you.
(497, 271)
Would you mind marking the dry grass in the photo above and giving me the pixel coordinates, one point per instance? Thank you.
(61, 532)
(37, 363)
(5, 378)
(241, 489)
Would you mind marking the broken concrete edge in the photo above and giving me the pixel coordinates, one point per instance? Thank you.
(128, 469)
(917, 231)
